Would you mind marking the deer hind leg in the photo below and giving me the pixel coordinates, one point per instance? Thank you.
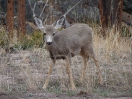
(69, 71)
(49, 73)
(98, 71)
(85, 59)
(90, 52)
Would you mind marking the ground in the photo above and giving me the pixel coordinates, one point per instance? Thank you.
(23, 73)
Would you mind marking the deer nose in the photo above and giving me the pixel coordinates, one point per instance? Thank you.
(49, 43)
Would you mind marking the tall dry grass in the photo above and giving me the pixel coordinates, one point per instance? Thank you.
(115, 57)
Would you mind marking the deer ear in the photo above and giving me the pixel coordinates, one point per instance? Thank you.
(59, 23)
(66, 24)
(39, 23)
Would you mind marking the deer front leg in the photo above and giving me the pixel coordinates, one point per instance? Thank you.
(49, 73)
(69, 71)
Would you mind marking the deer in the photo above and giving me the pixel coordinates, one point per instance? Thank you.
(67, 43)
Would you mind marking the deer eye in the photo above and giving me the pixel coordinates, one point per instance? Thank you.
(53, 33)
(44, 33)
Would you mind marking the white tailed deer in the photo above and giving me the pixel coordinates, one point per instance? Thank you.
(64, 44)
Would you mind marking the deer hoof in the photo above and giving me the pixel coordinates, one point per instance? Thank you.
(82, 79)
(44, 87)
(101, 81)
(74, 88)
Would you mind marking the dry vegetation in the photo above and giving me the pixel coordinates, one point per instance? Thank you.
(23, 72)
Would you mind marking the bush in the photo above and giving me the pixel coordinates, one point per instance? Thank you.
(34, 40)
(125, 32)
(26, 42)
(3, 38)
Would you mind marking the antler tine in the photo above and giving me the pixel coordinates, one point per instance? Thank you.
(62, 22)
(38, 21)
(32, 8)
(46, 19)
(30, 5)
(71, 8)
(43, 9)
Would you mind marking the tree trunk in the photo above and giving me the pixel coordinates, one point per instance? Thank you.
(110, 14)
(116, 15)
(21, 17)
(10, 18)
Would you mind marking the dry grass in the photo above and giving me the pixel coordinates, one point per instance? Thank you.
(26, 70)
(115, 57)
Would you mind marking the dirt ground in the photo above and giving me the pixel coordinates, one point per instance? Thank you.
(54, 96)
(23, 73)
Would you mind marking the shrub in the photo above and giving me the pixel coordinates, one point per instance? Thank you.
(30, 41)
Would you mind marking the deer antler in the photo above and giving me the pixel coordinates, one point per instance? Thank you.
(32, 8)
(43, 9)
(62, 22)
(37, 20)
(71, 8)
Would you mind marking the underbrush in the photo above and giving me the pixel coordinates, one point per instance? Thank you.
(34, 40)
(25, 42)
